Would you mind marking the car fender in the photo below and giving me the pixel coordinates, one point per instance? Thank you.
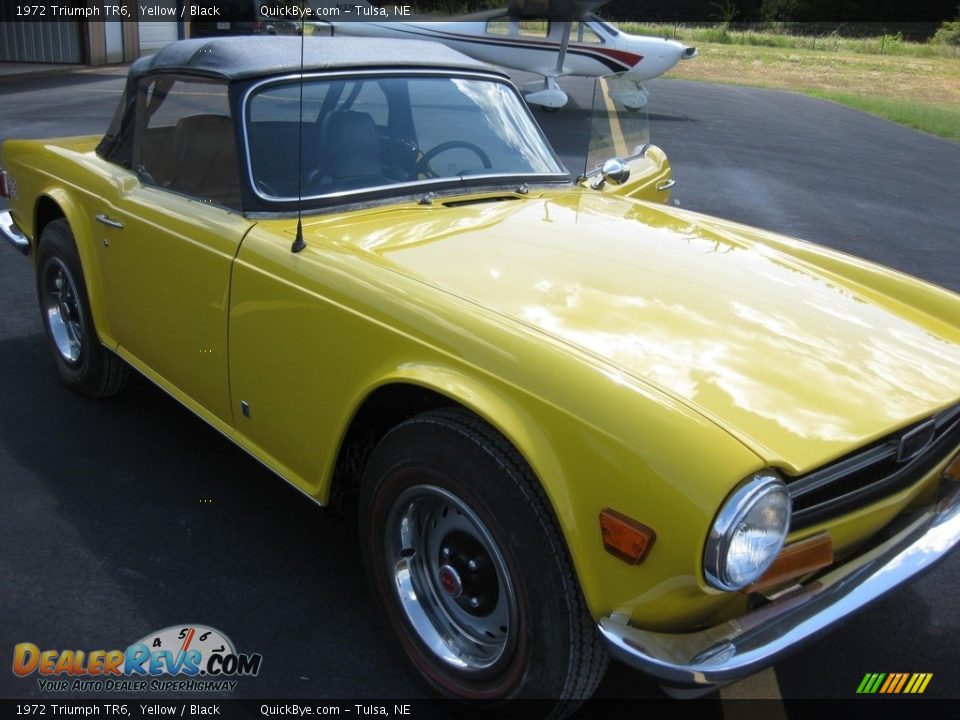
(607, 583)
(508, 418)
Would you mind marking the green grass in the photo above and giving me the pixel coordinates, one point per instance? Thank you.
(834, 42)
(919, 92)
(935, 119)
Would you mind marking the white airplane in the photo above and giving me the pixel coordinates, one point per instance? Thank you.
(539, 36)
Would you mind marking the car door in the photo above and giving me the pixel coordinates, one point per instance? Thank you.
(169, 236)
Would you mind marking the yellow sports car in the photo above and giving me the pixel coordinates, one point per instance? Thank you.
(575, 422)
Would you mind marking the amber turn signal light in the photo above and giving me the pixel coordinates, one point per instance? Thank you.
(625, 538)
(795, 560)
(953, 469)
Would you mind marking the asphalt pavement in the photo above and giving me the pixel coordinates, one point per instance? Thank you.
(129, 515)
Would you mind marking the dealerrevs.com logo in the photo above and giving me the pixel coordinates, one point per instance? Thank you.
(185, 658)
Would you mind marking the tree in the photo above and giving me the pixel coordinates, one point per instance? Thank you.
(948, 34)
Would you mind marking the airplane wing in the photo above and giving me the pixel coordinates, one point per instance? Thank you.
(554, 9)
(561, 11)
(551, 97)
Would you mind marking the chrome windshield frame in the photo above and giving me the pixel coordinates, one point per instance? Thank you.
(405, 188)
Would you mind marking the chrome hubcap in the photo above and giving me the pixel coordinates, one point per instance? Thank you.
(62, 307)
(451, 579)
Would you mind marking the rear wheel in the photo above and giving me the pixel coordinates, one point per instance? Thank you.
(470, 567)
(84, 364)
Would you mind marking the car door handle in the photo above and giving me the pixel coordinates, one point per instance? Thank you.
(666, 185)
(106, 220)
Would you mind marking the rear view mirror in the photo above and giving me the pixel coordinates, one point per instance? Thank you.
(614, 171)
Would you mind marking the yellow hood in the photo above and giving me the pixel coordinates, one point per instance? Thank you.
(803, 369)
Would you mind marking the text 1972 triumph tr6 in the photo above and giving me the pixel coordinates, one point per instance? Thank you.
(577, 422)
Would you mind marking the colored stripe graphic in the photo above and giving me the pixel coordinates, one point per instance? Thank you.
(903, 680)
(892, 679)
(894, 683)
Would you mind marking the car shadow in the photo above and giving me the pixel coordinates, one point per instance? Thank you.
(157, 508)
(187, 528)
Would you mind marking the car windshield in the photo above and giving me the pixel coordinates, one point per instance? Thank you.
(364, 134)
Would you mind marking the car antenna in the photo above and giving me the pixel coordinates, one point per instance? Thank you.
(298, 243)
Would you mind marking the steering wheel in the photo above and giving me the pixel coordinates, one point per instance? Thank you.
(423, 164)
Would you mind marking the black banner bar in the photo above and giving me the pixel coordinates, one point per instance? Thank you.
(739, 13)
(868, 708)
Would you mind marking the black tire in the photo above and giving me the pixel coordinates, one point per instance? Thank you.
(450, 460)
(84, 364)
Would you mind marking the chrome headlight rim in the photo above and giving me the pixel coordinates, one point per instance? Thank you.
(734, 509)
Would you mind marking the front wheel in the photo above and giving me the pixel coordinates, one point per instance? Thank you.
(470, 567)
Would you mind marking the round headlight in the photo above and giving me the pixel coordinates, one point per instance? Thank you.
(748, 532)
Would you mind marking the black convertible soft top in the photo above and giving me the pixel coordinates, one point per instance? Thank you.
(238, 58)
(242, 58)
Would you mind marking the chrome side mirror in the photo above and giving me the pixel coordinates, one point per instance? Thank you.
(614, 171)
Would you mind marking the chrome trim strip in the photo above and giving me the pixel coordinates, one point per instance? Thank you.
(905, 476)
(832, 473)
(11, 233)
(947, 416)
(424, 184)
(929, 429)
(817, 479)
(740, 647)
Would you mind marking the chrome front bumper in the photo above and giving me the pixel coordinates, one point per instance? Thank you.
(740, 647)
(11, 233)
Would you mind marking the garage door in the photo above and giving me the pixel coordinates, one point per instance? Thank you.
(38, 42)
(154, 34)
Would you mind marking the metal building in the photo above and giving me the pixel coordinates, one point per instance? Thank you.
(85, 42)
